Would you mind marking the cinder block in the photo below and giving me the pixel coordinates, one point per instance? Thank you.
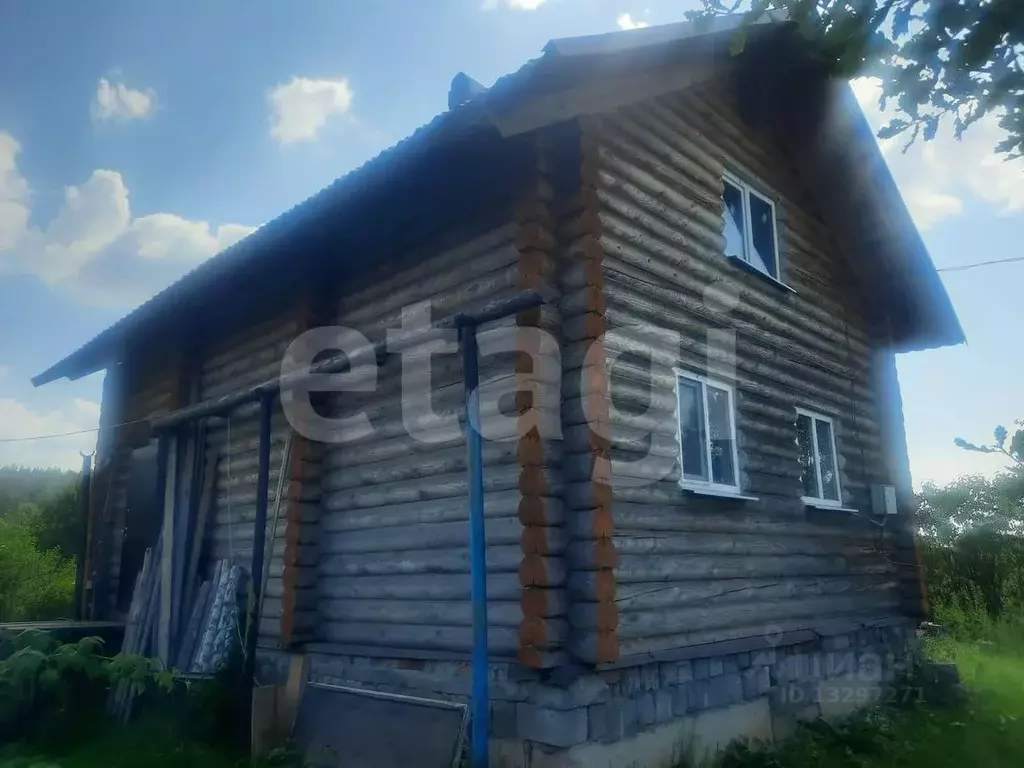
(698, 695)
(715, 667)
(684, 672)
(765, 658)
(730, 665)
(669, 674)
(554, 727)
(743, 660)
(647, 713)
(756, 682)
(701, 669)
(663, 705)
(681, 699)
(584, 691)
(650, 676)
(724, 690)
(612, 721)
(631, 683)
(504, 720)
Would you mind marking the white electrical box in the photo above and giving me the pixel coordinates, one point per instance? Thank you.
(883, 499)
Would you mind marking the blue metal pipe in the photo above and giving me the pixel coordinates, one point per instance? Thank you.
(477, 550)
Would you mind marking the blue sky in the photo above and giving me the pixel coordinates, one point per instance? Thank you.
(137, 139)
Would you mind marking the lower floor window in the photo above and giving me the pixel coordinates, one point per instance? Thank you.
(819, 465)
(707, 432)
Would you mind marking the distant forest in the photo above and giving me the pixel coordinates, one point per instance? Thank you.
(40, 531)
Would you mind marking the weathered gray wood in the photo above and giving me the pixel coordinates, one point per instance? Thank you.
(500, 640)
(496, 505)
(454, 613)
(657, 595)
(456, 560)
(425, 586)
(499, 531)
(634, 568)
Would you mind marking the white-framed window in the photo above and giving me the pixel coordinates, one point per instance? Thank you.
(819, 460)
(751, 230)
(708, 457)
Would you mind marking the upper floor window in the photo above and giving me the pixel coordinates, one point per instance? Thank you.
(751, 234)
(707, 433)
(819, 462)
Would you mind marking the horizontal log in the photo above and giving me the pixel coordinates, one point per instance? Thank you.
(538, 601)
(636, 568)
(759, 545)
(445, 510)
(454, 613)
(657, 595)
(594, 647)
(671, 621)
(540, 571)
(412, 562)
(538, 632)
(422, 586)
(501, 641)
(541, 540)
(594, 616)
(424, 536)
(591, 555)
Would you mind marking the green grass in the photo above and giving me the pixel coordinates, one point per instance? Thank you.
(986, 732)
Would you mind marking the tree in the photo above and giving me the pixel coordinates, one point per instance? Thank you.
(937, 59)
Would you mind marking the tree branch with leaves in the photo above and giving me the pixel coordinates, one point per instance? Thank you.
(960, 60)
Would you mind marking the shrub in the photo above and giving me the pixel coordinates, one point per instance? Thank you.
(33, 584)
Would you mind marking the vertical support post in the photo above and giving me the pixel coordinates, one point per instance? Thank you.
(167, 456)
(477, 550)
(83, 538)
(259, 540)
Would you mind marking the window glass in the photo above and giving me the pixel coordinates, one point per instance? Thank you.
(762, 234)
(735, 222)
(691, 430)
(805, 442)
(720, 431)
(826, 461)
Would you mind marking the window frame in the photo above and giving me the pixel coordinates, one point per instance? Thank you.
(820, 500)
(748, 229)
(708, 485)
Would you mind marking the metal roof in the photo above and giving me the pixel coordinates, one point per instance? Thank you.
(565, 62)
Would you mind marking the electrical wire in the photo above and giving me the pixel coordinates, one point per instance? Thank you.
(962, 267)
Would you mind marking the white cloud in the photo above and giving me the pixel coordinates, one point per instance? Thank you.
(515, 5)
(94, 248)
(625, 21)
(18, 420)
(935, 177)
(118, 101)
(301, 107)
(13, 193)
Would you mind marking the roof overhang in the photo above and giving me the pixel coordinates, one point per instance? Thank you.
(585, 75)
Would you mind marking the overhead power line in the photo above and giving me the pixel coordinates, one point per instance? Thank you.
(962, 267)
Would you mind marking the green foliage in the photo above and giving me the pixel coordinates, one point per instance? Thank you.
(986, 731)
(25, 485)
(56, 693)
(937, 59)
(34, 584)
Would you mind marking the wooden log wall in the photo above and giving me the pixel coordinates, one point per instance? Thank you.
(137, 391)
(394, 571)
(233, 361)
(695, 570)
(544, 601)
(585, 421)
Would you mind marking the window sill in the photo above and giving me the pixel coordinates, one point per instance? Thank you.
(827, 506)
(755, 271)
(717, 493)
